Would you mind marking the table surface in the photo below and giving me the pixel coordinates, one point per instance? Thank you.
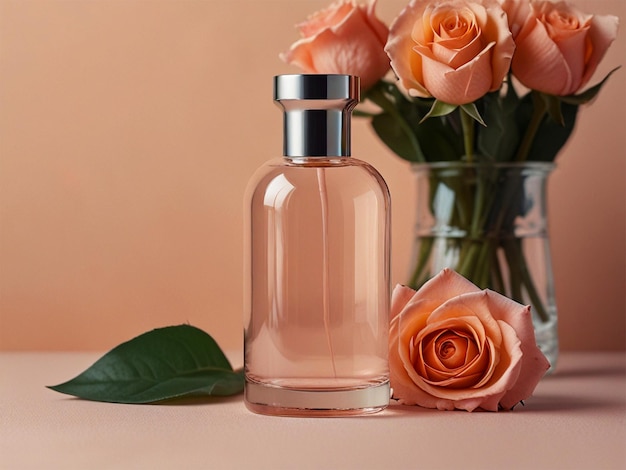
(575, 420)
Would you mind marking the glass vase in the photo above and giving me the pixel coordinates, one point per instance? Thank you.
(488, 222)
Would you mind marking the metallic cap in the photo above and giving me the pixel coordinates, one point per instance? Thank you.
(317, 111)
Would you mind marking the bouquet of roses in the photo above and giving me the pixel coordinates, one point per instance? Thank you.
(458, 59)
(459, 65)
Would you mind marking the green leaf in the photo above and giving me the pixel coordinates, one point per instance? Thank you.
(171, 362)
(552, 106)
(472, 111)
(589, 94)
(401, 127)
(551, 135)
(392, 125)
(500, 138)
(398, 138)
(439, 108)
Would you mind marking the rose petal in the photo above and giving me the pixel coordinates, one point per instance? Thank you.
(517, 13)
(378, 27)
(410, 323)
(399, 298)
(536, 51)
(497, 30)
(403, 387)
(602, 33)
(344, 38)
(455, 55)
(573, 49)
(452, 349)
(399, 48)
(347, 52)
(506, 373)
(478, 304)
(534, 364)
(331, 16)
(443, 286)
(424, 369)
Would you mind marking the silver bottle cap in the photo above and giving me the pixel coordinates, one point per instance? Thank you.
(317, 110)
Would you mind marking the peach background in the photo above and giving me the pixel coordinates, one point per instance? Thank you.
(128, 131)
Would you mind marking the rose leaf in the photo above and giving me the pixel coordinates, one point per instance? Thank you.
(165, 363)
(589, 94)
(500, 138)
(438, 109)
(551, 135)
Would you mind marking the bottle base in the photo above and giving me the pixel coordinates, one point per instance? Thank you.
(281, 401)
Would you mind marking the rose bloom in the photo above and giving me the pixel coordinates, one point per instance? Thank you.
(453, 345)
(558, 47)
(344, 38)
(455, 50)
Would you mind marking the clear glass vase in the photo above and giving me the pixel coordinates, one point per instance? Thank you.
(488, 222)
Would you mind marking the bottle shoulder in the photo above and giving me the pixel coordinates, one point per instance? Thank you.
(303, 174)
(284, 164)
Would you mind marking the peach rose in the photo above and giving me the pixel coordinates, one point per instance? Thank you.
(558, 47)
(344, 38)
(453, 50)
(455, 346)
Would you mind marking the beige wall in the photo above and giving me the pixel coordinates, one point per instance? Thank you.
(128, 131)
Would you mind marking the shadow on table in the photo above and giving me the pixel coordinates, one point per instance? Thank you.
(554, 402)
(581, 365)
(537, 404)
(610, 370)
(200, 401)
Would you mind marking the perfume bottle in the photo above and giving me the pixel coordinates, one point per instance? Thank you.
(317, 281)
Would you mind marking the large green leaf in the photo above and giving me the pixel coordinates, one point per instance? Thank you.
(551, 135)
(500, 138)
(393, 124)
(401, 126)
(397, 137)
(428, 141)
(165, 363)
(438, 140)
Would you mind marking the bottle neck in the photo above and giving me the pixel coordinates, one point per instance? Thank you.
(316, 133)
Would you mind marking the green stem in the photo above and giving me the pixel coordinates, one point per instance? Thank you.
(497, 281)
(419, 274)
(480, 207)
(513, 261)
(468, 124)
(469, 257)
(520, 276)
(481, 266)
(539, 111)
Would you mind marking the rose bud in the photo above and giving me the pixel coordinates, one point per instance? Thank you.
(455, 50)
(344, 38)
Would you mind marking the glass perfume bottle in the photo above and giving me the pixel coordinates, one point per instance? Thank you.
(317, 263)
